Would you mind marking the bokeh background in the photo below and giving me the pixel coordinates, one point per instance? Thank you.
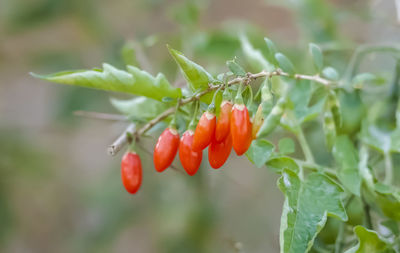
(61, 192)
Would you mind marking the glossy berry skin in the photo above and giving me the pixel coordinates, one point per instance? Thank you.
(190, 159)
(166, 149)
(131, 172)
(241, 129)
(222, 128)
(204, 132)
(218, 152)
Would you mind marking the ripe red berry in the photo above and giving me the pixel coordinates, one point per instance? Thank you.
(190, 159)
(131, 172)
(222, 128)
(241, 129)
(166, 149)
(204, 132)
(218, 152)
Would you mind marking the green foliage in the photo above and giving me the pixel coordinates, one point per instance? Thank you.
(307, 204)
(369, 241)
(337, 177)
(134, 81)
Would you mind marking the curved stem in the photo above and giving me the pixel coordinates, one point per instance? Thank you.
(304, 145)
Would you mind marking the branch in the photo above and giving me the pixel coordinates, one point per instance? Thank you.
(100, 115)
(123, 139)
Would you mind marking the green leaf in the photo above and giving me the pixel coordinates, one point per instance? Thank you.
(284, 63)
(300, 95)
(306, 207)
(133, 81)
(259, 152)
(346, 158)
(277, 164)
(254, 56)
(140, 108)
(360, 79)
(128, 54)
(368, 242)
(389, 202)
(330, 73)
(273, 118)
(317, 56)
(235, 68)
(196, 76)
(286, 146)
(271, 50)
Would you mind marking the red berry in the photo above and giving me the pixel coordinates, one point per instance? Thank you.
(190, 159)
(166, 149)
(218, 152)
(204, 132)
(222, 128)
(131, 172)
(241, 129)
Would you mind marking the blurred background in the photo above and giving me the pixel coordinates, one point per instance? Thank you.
(61, 192)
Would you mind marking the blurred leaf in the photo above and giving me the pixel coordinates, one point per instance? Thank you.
(392, 226)
(271, 50)
(128, 54)
(286, 146)
(317, 56)
(346, 158)
(300, 95)
(360, 79)
(284, 63)
(306, 207)
(277, 164)
(133, 81)
(273, 119)
(388, 199)
(196, 76)
(139, 109)
(329, 128)
(259, 152)
(376, 138)
(330, 73)
(368, 242)
(235, 68)
(254, 56)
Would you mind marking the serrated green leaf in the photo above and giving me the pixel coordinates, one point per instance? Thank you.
(284, 63)
(259, 152)
(346, 158)
(318, 58)
(330, 73)
(286, 146)
(306, 207)
(368, 242)
(133, 81)
(277, 164)
(254, 56)
(140, 108)
(196, 76)
(235, 68)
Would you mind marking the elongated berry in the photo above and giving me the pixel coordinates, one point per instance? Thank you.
(166, 149)
(204, 132)
(241, 129)
(189, 158)
(218, 152)
(222, 128)
(131, 172)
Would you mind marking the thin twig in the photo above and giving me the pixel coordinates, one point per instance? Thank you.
(212, 87)
(100, 115)
(122, 140)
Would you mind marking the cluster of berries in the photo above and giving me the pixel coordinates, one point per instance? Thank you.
(233, 129)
